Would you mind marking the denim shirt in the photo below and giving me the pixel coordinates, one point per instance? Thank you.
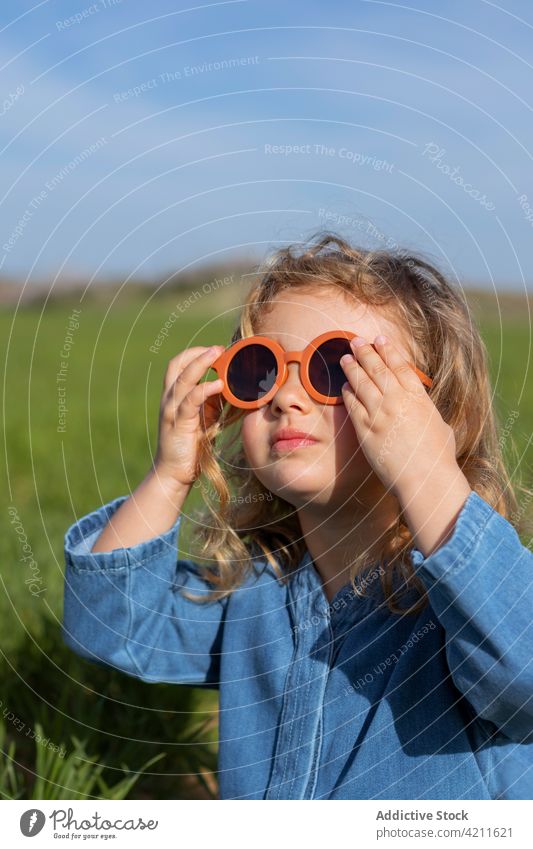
(338, 700)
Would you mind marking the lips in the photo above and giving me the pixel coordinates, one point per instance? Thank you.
(290, 437)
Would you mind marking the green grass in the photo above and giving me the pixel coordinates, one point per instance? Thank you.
(121, 737)
(52, 479)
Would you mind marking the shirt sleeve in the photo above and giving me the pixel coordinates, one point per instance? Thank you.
(480, 585)
(124, 608)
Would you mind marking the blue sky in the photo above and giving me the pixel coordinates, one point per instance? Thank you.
(138, 139)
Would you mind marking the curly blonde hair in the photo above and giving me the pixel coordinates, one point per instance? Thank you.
(446, 345)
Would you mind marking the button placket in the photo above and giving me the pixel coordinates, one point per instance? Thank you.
(299, 735)
(319, 647)
(313, 771)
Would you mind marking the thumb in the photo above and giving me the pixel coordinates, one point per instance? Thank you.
(211, 409)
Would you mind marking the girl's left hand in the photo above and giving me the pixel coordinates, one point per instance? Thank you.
(399, 428)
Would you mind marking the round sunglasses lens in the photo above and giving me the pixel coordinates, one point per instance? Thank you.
(252, 372)
(325, 372)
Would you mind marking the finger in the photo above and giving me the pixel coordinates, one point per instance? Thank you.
(190, 374)
(399, 366)
(189, 408)
(212, 409)
(357, 410)
(373, 364)
(364, 388)
(182, 361)
(178, 363)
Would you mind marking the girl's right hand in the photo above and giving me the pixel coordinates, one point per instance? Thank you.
(179, 413)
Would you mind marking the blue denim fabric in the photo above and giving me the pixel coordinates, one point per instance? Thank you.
(339, 700)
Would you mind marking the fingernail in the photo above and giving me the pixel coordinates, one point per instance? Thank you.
(346, 358)
(358, 341)
(381, 340)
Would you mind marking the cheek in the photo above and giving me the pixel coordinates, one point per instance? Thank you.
(342, 426)
(347, 446)
(253, 433)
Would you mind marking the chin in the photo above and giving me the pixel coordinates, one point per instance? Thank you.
(299, 493)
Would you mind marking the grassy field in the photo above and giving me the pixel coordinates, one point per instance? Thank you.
(115, 737)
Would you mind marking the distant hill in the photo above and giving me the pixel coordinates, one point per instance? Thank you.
(227, 283)
(211, 275)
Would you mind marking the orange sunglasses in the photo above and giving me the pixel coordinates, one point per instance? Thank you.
(254, 368)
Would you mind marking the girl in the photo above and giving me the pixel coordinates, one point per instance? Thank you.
(365, 606)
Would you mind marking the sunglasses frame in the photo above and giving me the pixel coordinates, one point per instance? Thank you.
(283, 358)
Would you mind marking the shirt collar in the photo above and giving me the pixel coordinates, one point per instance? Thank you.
(347, 603)
(309, 599)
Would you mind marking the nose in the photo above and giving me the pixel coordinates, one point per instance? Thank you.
(292, 393)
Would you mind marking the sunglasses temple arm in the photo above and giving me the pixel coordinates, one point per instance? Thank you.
(427, 381)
